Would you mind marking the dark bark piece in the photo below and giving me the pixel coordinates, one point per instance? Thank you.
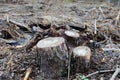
(78, 27)
(38, 36)
(55, 32)
(82, 55)
(44, 27)
(54, 55)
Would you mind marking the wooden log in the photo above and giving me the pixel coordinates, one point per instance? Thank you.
(72, 37)
(82, 55)
(21, 25)
(53, 56)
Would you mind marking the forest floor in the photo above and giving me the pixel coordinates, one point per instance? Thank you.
(17, 20)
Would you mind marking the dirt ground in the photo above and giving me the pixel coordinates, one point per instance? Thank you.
(15, 60)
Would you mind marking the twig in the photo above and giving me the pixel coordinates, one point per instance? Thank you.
(94, 36)
(95, 27)
(115, 74)
(102, 12)
(98, 72)
(9, 63)
(117, 18)
(27, 74)
(21, 14)
(69, 62)
(7, 18)
(110, 49)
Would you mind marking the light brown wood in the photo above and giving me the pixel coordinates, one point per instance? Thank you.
(27, 74)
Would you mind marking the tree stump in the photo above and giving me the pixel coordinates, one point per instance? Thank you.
(82, 55)
(72, 37)
(53, 56)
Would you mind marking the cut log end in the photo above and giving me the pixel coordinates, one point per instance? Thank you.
(50, 42)
(71, 33)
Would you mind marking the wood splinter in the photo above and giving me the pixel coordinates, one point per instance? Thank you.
(27, 74)
(82, 55)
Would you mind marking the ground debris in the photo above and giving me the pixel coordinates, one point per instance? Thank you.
(80, 23)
